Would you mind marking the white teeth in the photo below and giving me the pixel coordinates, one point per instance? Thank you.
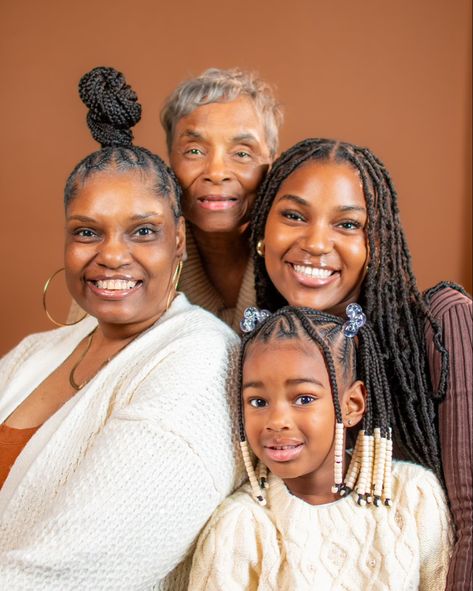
(115, 284)
(278, 447)
(316, 272)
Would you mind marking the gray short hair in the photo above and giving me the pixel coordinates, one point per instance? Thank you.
(216, 85)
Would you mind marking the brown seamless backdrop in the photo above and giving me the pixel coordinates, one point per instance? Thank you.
(395, 76)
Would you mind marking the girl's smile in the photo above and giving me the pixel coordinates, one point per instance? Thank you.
(289, 412)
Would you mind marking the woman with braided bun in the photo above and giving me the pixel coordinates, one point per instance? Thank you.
(322, 519)
(326, 232)
(106, 476)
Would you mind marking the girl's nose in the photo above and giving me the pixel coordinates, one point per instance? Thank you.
(278, 419)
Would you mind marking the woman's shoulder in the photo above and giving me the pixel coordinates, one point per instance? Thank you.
(40, 340)
(444, 296)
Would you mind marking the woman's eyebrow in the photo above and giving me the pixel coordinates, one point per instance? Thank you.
(352, 208)
(293, 198)
(192, 134)
(80, 218)
(245, 137)
(146, 215)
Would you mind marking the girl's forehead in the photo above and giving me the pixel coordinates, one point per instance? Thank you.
(277, 350)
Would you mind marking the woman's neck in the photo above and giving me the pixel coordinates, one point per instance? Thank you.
(224, 257)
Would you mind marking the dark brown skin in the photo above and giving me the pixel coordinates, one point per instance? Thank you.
(287, 401)
(317, 221)
(220, 156)
(116, 228)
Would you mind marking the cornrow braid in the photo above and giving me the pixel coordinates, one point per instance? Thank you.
(390, 298)
(113, 110)
(368, 468)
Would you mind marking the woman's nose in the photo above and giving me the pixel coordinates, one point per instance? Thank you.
(317, 239)
(216, 169)
(114, 253)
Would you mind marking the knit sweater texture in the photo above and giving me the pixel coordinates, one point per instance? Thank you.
(290, 545)
(112, 491)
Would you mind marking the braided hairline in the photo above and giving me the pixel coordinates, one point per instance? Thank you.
(389, 295)
(125, 158)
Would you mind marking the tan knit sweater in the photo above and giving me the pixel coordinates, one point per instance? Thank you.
(290, 545)
(199, 291)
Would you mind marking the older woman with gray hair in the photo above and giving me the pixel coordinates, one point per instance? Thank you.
(222, 136)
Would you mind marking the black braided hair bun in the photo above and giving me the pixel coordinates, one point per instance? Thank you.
(113, 106)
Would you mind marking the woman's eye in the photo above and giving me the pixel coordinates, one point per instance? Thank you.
(193, 152)
(257, 402)
(304, 399)
(243, 155)
(350, 225)
(84, 233)
(294, 216)
(145, 232)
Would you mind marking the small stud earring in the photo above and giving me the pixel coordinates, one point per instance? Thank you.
(349, 422)
(260, 247)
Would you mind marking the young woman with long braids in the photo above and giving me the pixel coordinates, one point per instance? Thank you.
(106, 476)
(326, 232)
(322, 519)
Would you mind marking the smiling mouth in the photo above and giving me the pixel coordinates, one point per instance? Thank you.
(115, 284)
(283, 453)
(313, 272)
(216, 203)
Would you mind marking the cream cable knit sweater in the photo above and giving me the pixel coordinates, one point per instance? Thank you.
(112, 490)
(293, 546)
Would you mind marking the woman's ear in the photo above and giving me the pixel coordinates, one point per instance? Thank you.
(353, 404)
(180, 238)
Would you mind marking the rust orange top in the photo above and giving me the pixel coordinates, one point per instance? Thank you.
(12, 442)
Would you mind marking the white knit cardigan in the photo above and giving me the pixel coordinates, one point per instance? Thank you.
(290, 545)
(111, 492)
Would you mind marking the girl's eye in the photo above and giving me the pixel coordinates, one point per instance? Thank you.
(257, 402)
(305, 399)
(294, 216)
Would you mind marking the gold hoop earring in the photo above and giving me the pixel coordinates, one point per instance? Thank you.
(174, 283)
(45, 290)
(260, 247)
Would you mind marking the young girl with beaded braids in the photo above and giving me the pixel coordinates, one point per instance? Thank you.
(326, 232)
(106, 476)
(314, 523)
